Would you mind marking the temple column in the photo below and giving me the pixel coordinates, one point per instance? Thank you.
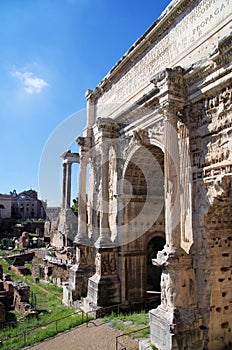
(68, 184)
(64, 185)
(67, 226)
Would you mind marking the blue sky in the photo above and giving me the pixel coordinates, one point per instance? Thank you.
(52, 51)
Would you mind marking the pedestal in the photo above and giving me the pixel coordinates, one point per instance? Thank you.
(176, 323)
(79, 275)
(104, 285)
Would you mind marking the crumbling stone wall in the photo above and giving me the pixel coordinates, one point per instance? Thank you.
(211, 147)
(54, 272)
(21, 297)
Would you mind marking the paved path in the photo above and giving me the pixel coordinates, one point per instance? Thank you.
(97, 336)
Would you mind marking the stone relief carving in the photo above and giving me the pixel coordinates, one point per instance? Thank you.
(168, 293)
(220, 188)
(138, 137)
(157, 131)
(106, 264)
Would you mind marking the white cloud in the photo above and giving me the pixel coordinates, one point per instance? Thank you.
(31, 83)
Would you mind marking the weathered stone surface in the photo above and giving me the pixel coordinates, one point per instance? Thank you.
(158, 147)
(65, 228)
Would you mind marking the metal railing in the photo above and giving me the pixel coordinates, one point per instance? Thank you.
(86, 317)
(25, 335)
(119, 345)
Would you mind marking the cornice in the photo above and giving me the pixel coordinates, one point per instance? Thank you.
(204, 73)
(155, 31)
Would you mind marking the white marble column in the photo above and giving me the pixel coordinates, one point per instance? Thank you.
(104, 237)
(172, 180)
(82, 235)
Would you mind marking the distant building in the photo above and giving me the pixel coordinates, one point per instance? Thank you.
(23, 205)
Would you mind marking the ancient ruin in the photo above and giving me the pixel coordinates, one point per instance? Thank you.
(156, 155)
(65, 228)
(14, 295)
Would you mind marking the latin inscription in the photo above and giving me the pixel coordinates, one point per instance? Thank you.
(190, 27)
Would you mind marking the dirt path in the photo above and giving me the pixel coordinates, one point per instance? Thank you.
(97, 336)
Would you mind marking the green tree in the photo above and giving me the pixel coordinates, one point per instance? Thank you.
(74, 207)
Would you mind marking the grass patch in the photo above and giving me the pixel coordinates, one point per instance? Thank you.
(131, 322)
(153, 347)
(50, 309)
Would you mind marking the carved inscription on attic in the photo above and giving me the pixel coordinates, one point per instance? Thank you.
(194, 24)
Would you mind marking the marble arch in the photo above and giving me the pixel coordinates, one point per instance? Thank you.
(171, 91)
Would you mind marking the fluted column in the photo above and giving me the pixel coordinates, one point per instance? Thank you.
(64, 185)
(172, 180)
(82, 235)
(104, 237)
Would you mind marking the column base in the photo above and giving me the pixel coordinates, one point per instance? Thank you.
(104, 285)
(79, 275)
(176, 323)
(104, 241)
(175, 329)
(78, 283)
(82, 239)
(103, 291)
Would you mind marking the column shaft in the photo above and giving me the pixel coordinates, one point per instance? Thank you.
(82, 235)
(64, 185)
(104, 237)
(172, 185)
(69, 183)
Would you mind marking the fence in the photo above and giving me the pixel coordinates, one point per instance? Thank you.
(32, 335)
(119, 345)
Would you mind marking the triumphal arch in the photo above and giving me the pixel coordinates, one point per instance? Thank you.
(155, 196)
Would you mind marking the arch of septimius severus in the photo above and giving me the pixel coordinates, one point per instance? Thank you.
(155, 196)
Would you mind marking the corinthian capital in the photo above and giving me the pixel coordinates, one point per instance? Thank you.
(172, 110)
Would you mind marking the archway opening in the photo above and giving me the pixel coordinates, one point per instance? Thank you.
(153, 275)
(143, 228)
(143, 191)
